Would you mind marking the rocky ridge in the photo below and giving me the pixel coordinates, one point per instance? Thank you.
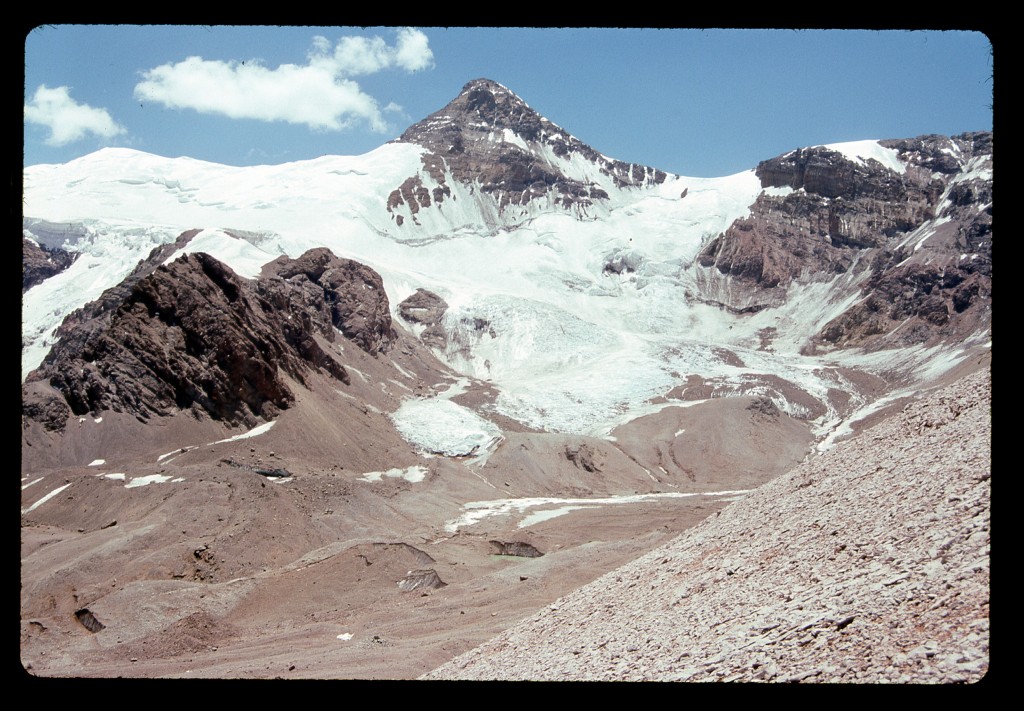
(192, 335)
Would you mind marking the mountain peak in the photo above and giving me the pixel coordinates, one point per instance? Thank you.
(485, 84)
(482, 104)
(490, 136)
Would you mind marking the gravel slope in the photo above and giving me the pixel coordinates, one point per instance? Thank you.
(869, 563)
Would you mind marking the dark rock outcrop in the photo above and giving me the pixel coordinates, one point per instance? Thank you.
(769, 255)
(466, 140)
(762, 408)
(838, 206)
(582, 456)
(353, 293)
(38, 263)
(426, 309)
(515, 548)
(193, 335)
(189, 335)
(88, 620)
(919, 299)
(426, 579)
(45, 249)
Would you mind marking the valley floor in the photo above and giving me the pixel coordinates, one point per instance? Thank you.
(873, 554)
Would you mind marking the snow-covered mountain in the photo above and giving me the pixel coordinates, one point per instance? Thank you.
(486, 363)
(589, 291)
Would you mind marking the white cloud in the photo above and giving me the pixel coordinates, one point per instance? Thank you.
(68, 120)
(413, 51)
(360, 55)
(318, 94)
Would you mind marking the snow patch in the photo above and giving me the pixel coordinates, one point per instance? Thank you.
(510, 136)
(441, 426)
(357, 372)
(403, 371)
(862, 151)
(540, 516)
(244, 258)
(175, 454)
(146, 480)
(46, 498)
(254, 432)
(477, 511)
(415, 473)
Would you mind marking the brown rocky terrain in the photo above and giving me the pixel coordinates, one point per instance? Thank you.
(868, 563)
(214, 569)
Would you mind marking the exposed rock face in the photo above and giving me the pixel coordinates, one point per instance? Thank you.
(582, 456)
(193, 335)
(427, 309)
(427, 579)
(519, 549)
(353, 293)
(924, 234)
(39, 263)
(922, 300)
(763, 409)
(490, 138)
(190, 334)
(767, 254)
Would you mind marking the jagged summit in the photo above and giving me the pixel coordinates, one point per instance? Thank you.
(482, 104)
(487, 136)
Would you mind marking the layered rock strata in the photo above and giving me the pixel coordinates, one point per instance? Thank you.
(918, 241)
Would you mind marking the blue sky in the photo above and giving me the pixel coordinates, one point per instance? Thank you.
(702, 103)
